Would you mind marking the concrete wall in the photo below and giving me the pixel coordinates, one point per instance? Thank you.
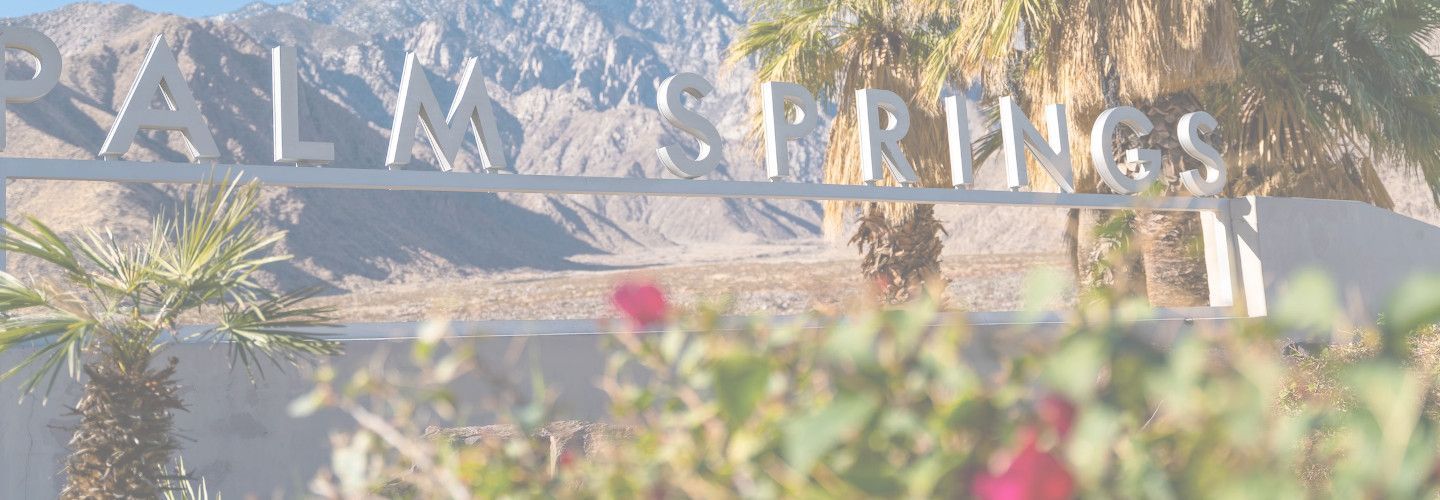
(240, 437)
(1368, 252)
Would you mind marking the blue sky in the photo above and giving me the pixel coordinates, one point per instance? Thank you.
(191, 8)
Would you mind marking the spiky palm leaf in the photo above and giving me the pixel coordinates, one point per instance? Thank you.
(201, 260)
(184, 485)
(109, 307)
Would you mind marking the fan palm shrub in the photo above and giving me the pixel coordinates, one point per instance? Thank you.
(108, 309)
(834, 48)
(1088, 54)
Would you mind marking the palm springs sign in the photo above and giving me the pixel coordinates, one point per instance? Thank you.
(471, 110)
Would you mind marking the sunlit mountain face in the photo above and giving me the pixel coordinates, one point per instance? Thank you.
(574, 86)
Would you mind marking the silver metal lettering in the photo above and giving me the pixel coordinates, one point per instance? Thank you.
(285, 104)
(779, 130)
(160, 73)
(1019, 135)
(1102, 137)
(471, 109)
(47, 71)
(880, 146)
(957, 123)
(674, 111)
(1212, 180)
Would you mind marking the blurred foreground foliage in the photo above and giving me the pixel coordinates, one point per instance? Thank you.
(912, 403)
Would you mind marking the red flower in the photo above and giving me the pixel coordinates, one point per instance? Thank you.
(882, 282)
(643, 303)
(1058, 413)
(1031, 475)
(566, 460)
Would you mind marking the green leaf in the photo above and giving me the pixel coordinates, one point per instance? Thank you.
(1309, 302)
(1043, 289)
(1073, 369)
(809, 437)
(306, 405)
(854, 339)
(1415, 304)
(740, 383)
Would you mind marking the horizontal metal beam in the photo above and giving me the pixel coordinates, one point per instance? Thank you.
(429, 180)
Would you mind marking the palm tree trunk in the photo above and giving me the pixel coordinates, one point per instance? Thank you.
(1174, 259)
(902, 259)
(1171, 242)
(125, 436)
(1102, 255)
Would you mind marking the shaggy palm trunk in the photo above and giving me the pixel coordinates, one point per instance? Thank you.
(125, 436)
(1103, 254)
(1149, 254)
(1172, 242)
(1174, 258)
(901, 258)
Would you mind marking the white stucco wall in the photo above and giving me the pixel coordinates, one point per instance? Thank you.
(1366, 251)
(238, 434)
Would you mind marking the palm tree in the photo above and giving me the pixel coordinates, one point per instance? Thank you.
(1311, 94)
(1328, 89)
(833, 48)
(1091, 55)
(108, 309)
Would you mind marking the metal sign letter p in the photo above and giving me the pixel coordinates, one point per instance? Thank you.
(47, 72)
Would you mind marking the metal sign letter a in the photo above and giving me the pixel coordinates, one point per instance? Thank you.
(160, 73)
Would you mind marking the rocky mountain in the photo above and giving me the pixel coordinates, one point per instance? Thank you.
(574, 85)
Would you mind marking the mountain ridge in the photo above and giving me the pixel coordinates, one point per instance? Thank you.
(347, 95)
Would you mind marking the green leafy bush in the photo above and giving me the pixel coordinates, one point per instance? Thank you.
(912, 403)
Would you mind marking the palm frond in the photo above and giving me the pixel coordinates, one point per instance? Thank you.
(1333, 86)
(834, 48)
(118, 269)
(211, 249)
(61, 338)
(121, 297)
(279, 328)
(15, 295)
(42, 243)
(184, 485)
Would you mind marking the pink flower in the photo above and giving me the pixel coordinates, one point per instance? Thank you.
(1031, 475)
(643, 303)
(566, 460)
(1058, 413)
